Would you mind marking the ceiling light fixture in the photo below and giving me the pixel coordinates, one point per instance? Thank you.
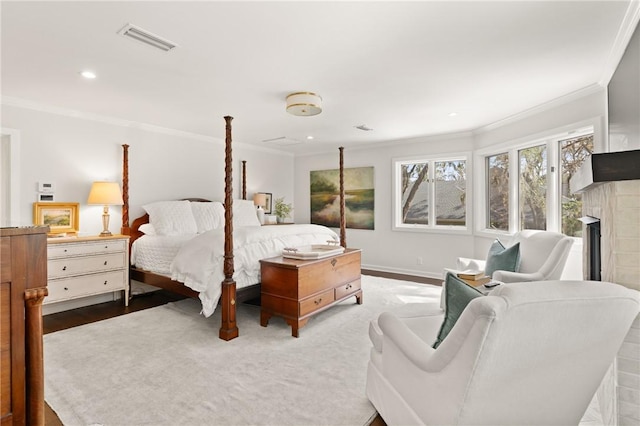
(453, 114)
(309, 137)
(88, 74)
(304, 104)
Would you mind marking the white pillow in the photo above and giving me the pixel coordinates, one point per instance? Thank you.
(147, 229)
(171, 217)
(244, 213)
(208, 215)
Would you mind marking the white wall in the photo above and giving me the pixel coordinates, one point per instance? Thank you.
(396, 251)
(72, 152)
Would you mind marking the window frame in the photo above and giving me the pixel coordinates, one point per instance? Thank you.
(432, 227)
(554, 182)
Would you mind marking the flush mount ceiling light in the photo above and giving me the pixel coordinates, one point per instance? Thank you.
(88, 74)
(144, 36)
(304, 104)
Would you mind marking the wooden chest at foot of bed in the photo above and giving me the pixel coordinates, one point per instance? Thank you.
(297, 289)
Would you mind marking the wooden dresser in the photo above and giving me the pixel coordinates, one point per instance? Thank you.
(86, 266)
(297, 289)
(23, 286)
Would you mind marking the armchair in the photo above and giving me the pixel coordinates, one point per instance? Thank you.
(524, 354)
(543, 255)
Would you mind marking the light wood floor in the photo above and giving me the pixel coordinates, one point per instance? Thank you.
(85, 315)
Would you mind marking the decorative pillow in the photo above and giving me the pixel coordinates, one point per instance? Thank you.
(208, 215)
(171, 217)
(245, 213)
(458, 295)
(147, 229)
(502, 259)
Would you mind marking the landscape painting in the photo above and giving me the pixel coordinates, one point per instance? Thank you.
(358, 192)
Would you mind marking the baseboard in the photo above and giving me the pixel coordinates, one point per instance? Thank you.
(403, 277)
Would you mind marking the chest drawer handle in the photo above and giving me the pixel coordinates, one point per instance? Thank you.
(348, 286)
(317, 302)
(64, 268)
(65, 250)
(106, 247)
(105, 282)
(105, 263)
(66, 288)
(333, 262)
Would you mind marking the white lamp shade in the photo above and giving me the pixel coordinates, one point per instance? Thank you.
(304, 104)
(259, 199)
(105, 193)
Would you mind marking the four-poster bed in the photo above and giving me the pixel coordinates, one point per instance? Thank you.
(230, 294)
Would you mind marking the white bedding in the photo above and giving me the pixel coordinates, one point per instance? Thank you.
(199, 263)
(156, 252)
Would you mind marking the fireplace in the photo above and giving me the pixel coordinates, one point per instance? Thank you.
(593, 256)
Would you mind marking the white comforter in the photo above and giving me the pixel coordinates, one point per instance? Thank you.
(199, 263)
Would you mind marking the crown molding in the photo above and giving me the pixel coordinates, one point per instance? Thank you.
(625, 32)
(35, 106)
(554, 103)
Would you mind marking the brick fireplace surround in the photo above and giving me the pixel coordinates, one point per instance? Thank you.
(617, 205)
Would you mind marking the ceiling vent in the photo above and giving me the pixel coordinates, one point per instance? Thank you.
(146, 37)
(282, 141)
(363, 128)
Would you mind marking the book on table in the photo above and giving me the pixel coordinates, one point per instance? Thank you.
(471, 274)
(480, 281)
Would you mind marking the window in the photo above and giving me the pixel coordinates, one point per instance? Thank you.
(539, 197)
(573, 152)
(532, 192)
(430, 193)
(498, 191)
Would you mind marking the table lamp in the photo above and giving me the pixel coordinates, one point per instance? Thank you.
(105, 194)
(259, 200)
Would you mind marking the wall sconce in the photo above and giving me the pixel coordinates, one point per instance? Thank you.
(259, 200)
(105, 194)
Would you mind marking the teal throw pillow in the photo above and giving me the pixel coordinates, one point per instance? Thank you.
(458, 294)
(502, 259)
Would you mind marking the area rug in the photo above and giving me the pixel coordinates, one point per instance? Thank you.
(167, 366)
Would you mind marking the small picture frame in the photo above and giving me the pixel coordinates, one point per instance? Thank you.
(267, 203)
(59, 217)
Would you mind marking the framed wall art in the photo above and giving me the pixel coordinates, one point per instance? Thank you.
(359, 197)
(59, 217)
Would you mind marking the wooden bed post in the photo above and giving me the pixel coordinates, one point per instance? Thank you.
(124, 230)
(244, 179)
(343, 220)
(228, 328)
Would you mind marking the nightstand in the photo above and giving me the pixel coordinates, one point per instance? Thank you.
(86, 266)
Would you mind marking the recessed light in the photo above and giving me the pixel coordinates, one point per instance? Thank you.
(309, 137)
(88, 74)
(453, 114)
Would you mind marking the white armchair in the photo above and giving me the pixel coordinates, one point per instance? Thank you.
(543, 255)
(524, 354)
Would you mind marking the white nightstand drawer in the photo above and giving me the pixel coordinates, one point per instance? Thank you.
(77, 249)
(65, 267)
(85, 285)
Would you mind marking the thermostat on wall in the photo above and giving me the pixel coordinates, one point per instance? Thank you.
(45, 196)
(45, 187)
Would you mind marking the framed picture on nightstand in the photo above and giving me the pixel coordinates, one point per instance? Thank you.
(60, 217)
